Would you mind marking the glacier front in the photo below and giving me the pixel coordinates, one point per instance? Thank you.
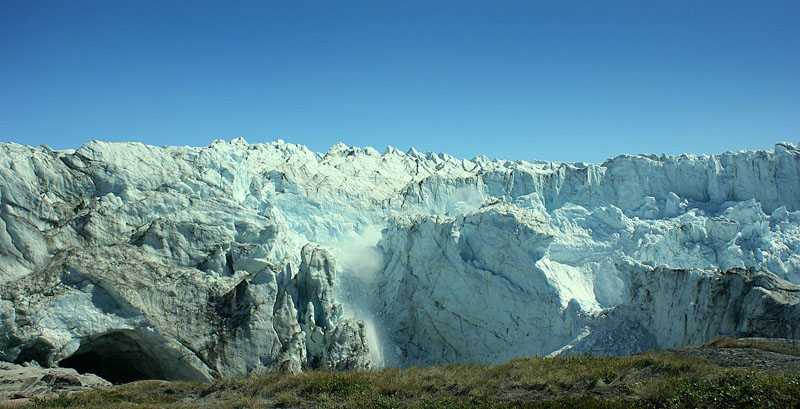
(133, 262)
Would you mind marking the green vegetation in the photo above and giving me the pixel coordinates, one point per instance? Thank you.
(650, 380)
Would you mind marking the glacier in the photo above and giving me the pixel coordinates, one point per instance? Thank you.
(234, 258)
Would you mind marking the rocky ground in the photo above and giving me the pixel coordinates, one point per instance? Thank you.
(19, 383)
(764, 354)
(756, 372)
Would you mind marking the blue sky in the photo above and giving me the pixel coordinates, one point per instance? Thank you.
(556, 80)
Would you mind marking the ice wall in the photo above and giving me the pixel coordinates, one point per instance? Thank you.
(421, 258)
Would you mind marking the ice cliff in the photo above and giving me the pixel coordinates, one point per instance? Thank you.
(133, 261)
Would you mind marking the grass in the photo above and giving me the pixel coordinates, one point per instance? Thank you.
(650, 380)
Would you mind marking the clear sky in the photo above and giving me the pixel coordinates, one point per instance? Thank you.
(557, 80)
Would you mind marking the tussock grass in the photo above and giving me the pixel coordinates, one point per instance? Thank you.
(650, 380)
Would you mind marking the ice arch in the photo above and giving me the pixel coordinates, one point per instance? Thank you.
(129, 355)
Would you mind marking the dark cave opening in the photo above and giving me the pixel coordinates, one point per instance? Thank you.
(119, 357)
(38, 351)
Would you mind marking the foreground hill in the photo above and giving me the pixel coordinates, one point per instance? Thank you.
(722, 374)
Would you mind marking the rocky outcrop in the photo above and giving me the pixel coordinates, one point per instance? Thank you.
(19, 383)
